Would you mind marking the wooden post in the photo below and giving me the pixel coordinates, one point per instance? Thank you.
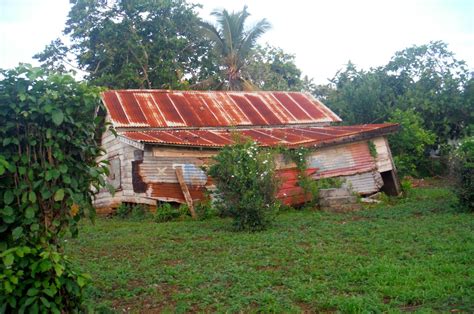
(185, 190)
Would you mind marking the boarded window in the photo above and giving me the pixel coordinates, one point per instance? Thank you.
(114, 177)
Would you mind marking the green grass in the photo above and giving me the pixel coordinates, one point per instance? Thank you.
(413, 255)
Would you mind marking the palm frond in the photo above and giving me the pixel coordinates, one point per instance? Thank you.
(252, 35)
(211, 32)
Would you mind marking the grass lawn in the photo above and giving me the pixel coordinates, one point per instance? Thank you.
(414, 255)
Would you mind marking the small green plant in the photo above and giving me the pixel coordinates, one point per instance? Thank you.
(166, 212)
(123, 211)
(205, 210)
(406, 186)
(372, 149)
(245, 179)
(139, 212)
(132, 211)
(184, 212)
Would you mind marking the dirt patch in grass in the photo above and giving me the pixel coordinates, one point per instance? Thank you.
(268, 268)
(305, 245)
(173, 262)
(305, 308)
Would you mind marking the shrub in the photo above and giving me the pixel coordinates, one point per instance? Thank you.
(132, 211)
(205, 210)
(49, 148)
(35, 279)
(409, 145)
(245, 179)
(166, 212)
(463, 170)
(123, 211)
(139, 212)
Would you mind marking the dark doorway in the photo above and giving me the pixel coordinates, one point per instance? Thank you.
(390, 183)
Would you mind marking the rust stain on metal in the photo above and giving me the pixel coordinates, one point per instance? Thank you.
(290, 193)
(172, 191)
(161, 108)
(291, 137)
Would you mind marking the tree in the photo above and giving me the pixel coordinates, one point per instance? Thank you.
(233, 45)
(359, 96)
(427, 78)
(410, 144)
(135, 44)
(270, 68)
(431, 80)
(48, 155)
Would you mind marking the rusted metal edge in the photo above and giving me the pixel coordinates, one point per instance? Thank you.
(338, 139)
(222, 128)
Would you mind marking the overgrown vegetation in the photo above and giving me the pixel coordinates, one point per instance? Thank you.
(410, 144)
(244, 175)
(424, 85)
(48, 131)
(167, 212)
(413, 254)
(309, 185)
(463, 170)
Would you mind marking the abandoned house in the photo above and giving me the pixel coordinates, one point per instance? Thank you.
(165, 137)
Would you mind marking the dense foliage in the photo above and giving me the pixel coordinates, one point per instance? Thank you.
(409, 145)
(134, 44)
(48, 127)
(244, 175)
(270, 68)
(425, 80)
(464, 173)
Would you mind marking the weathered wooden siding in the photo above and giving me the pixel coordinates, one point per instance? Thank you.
(150, 175)
(104, 200)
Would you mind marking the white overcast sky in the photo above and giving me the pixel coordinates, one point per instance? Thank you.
(323, 35)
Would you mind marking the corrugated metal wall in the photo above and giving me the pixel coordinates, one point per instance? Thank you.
(351, 162)
(342, 160)
(364, 183)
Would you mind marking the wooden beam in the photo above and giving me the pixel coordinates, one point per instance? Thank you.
(184, 188)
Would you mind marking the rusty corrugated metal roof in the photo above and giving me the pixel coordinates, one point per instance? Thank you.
(185, 109)
(289, 136)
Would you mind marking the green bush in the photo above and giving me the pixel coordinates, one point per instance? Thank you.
(409, 145)
(49, 131)
(246, 186)
(464, 173)
(123, 211)
(139, 212)
(205, 210)
(132, 211)
(35, 279)
(166, 212)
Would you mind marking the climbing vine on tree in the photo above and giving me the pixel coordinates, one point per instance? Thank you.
(49, 145)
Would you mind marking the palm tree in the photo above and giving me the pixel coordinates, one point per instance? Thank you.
(233, 45)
